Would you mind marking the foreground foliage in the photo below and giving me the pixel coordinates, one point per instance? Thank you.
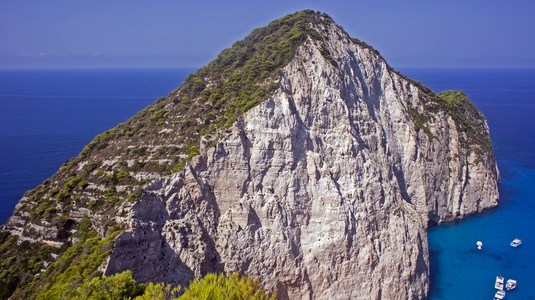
(123, 286)
(214, 286)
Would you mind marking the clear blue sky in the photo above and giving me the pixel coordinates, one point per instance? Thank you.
(188, 33)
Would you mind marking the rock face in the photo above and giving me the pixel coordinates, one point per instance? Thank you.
(325, 190)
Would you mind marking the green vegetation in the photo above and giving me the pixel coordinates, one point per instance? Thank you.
(419, 121)
(76, 275)
(327, 55)
(20, 262)
(71, 183)
(212, 286)
(118, 286)
(123, 286)
(135, 196)
(215, 287)
(456, 104)
(244, 75)
(78, 265)
(469, 121)
(159, 114)
(159, 291)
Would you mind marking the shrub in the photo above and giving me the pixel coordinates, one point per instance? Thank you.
(63, 196)
(71, 183)
(235, 286)
(118, 286)
(83, 184)
(159, 114)
(53, 192)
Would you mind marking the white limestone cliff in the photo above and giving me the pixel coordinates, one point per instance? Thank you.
(323, 191)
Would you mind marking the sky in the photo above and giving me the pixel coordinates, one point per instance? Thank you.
(188, 33)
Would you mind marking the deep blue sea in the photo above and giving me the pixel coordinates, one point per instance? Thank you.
(47, 116)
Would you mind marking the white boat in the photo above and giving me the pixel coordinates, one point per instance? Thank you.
(479, 245)
(511, 284)
(499, 295)
(516, 242)
(499, 283)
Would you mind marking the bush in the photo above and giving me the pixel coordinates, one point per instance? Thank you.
(159, 114)
(63, 196)
(159, 291)
(71, 183)
(83, 184)
(118, 286)
(235, 286)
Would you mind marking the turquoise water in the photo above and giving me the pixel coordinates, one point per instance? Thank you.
(46, 117)
(458, 269)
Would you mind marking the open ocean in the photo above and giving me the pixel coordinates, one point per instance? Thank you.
(48, 116)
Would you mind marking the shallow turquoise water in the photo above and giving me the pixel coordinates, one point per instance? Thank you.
(458, 269)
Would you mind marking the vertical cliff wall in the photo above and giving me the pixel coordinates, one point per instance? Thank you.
(326, 189)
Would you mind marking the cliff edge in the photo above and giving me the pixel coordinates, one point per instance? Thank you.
(298, 157)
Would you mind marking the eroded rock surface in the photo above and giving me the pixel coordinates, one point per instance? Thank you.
(323, 191)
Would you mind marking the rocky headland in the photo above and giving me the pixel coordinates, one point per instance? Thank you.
(321, 181)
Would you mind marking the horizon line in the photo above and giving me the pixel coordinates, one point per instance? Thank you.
(196, 68)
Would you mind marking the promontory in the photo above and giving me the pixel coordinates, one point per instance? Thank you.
(298, 157)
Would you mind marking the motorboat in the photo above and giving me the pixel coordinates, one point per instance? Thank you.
(479, 245)
(516, 242)
(511, 284)
(499, 283)
(499, 295)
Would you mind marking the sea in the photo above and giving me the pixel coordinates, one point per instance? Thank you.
(48, 116)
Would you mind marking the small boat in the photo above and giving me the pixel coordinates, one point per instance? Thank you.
(479, 245)
(499, 283)
(511, 284)
(516, 242)
(499, 295)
